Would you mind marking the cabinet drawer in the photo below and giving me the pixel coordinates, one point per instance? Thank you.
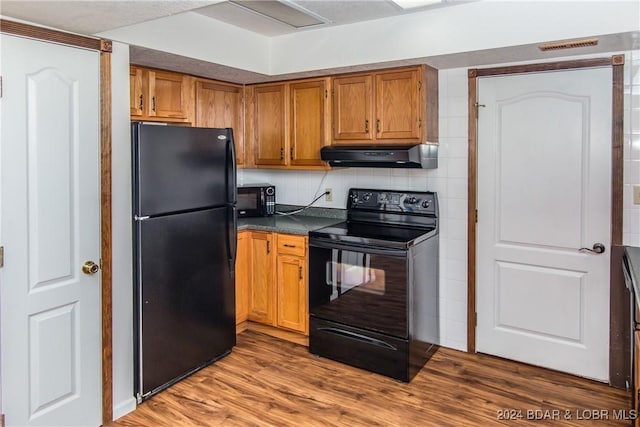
(292, 245)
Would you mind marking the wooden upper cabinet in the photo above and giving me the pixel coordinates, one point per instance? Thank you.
(136, 98)
(353, 107)
(269, 124)
(221, 105)
(169, 94)
(386, 107)
(398, 105)
(287, 123)
(309, 121)
(159, 95)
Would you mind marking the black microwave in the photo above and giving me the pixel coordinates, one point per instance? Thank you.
(256, 200)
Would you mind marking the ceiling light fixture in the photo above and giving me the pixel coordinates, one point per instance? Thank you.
(412, 4)
(283, 11)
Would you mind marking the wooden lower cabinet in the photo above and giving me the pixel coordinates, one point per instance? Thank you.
(275, 273)
(292, 292)
(243, 261)
(262, 286)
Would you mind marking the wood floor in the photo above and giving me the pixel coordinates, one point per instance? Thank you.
(267, 381)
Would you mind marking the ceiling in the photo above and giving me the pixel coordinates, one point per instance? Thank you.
(93, 17)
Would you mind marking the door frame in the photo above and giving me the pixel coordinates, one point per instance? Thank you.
(619, 334)
(105, 48)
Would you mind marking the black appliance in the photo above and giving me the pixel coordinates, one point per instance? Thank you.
(184, 194)
(382, 156)
(256, 200)
(373, 283)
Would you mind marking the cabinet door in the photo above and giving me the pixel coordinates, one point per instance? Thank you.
(221, 106)
(262, 289)
(352, 108)
(169, 95)
(243, 266)
(270, 125)
(292, 293)
(398, 106)
(308, 122)
(136, 98)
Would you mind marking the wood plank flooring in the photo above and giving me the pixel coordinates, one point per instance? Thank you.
(267, 381)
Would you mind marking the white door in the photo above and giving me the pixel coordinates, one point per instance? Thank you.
(49, 227)
(544, 184)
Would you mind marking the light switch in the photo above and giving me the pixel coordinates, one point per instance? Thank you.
(636, 194)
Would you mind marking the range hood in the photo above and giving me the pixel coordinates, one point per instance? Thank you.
(423, 156)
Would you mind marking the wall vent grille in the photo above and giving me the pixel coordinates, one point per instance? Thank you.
(568, 44)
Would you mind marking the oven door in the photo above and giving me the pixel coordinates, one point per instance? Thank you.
(358, 286)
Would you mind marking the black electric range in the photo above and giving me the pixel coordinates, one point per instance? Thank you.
(373, 283)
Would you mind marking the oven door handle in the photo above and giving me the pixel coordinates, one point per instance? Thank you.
(331, 244)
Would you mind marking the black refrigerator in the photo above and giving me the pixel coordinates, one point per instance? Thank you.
(184, 220)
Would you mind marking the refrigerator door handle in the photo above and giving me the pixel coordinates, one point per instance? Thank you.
(232, 236)
(231, 169)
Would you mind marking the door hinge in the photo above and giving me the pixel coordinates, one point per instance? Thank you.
(478, 105)
(419, 85)
(476, 216)
(0, 86)
(326, 93)
(1, 256)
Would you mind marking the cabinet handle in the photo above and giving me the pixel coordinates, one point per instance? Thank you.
(268, 246)
(291, 153)
(378, 125)
(366, 126)
(286, 245)
(141, 102)
(153, 104)
(281, 153)
(299, 272)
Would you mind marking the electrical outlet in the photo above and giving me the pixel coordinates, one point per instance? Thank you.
(328, 196)
(636, 194)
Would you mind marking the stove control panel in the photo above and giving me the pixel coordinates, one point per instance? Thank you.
(424, 203)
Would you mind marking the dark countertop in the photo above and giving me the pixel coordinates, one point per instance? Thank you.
(302, 223)
(633, 256)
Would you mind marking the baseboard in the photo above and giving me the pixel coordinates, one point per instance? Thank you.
(123, 408)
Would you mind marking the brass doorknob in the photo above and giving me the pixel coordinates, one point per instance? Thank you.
(90, 267)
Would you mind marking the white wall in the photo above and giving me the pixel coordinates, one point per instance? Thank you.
(123, 401)
(631, 224)
(451, 30)
(196, 36)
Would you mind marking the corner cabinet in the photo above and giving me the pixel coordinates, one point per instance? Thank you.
(221, 105)
(288, 123)
(157, 95)
(390, 106)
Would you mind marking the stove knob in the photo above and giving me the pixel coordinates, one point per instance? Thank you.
(366, 197)
(426, 204)
(411, 200)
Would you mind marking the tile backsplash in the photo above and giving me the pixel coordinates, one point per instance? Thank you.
(449, 180)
